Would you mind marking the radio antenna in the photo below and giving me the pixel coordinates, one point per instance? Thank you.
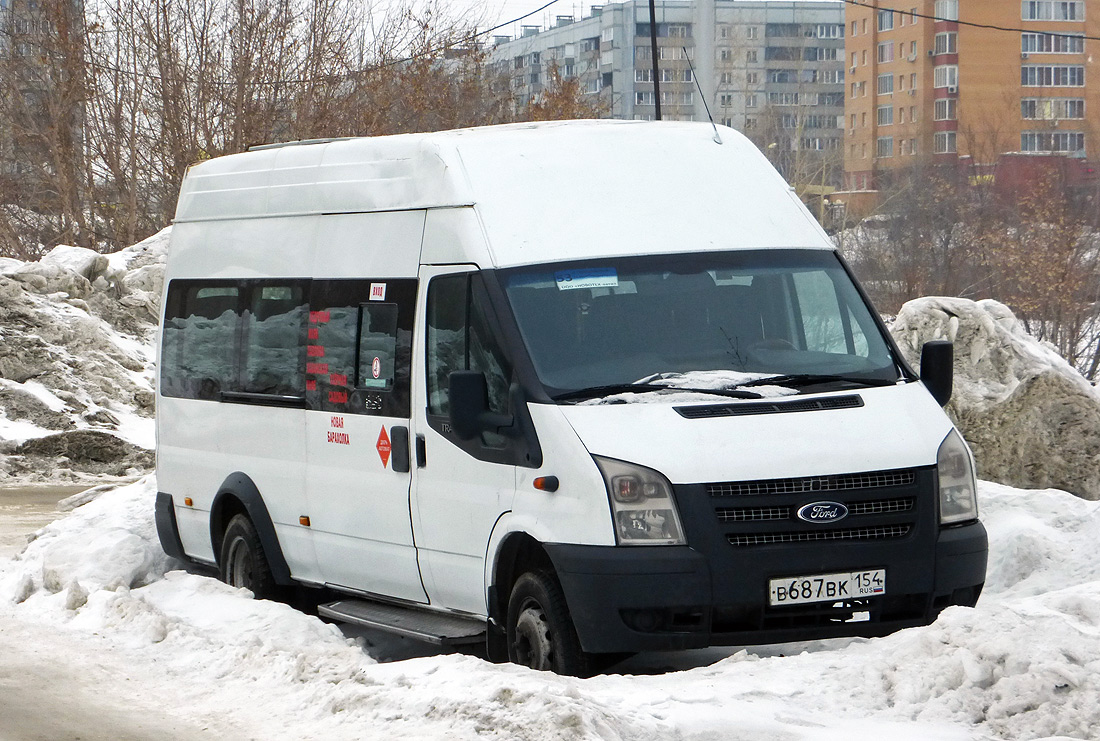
(717, 138)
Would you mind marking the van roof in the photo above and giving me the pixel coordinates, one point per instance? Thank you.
(605, 187)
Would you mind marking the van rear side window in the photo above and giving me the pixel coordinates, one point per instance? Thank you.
(198, 358)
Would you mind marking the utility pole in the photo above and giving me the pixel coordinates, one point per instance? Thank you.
(653, 48)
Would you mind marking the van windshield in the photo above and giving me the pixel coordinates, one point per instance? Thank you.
(726, 320)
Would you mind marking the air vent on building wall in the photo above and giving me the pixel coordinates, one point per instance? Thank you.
(1023, 55)
(952, 90)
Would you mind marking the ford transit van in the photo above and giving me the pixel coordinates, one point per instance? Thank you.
(571, 389)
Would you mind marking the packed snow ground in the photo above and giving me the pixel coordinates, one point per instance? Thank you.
(1024, 664)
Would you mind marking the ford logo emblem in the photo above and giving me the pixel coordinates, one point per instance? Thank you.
(822, 512)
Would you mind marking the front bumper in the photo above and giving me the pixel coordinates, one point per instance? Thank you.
(625, 599)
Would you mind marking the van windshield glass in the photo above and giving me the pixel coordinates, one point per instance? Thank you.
(723, 321)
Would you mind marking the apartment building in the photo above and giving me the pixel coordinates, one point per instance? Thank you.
(968, 81)
(770, 68)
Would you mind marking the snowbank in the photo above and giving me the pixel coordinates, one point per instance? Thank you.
(77, 328)
(1030, 417)
(1024, 664)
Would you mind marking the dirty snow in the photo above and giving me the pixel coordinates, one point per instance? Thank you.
(76, 353)
(1024, 664)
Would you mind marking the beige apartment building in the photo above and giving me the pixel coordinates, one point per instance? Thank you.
(924, 83)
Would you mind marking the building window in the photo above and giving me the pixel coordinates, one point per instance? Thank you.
(901, 113)
(947, 10)
(885, 84)
(912, 80)
(725, 100)
(1052, 75)
(1052, 141)
(752, 78)
(725, 54)
(750, 123)
(751, 101)
(752, 33)
(723, 33)
(750, 56)
(853, 28)
(945, 110)
(1052, 109)
(884, 146)
(726, 78)
(946, 75)
(886, 52)
(643, 97)
(832, 76)
(1047, 43)
(885, 20)
(885, 115)
(829, 31)
(947, 43)
(943, 142)
(1052, 10)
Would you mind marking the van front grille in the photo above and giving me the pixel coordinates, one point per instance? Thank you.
(814, 536)
(855, 509)
(809, 484)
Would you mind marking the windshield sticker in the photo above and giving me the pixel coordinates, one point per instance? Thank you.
(569, 280)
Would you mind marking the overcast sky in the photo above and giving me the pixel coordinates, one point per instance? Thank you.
(501, 11)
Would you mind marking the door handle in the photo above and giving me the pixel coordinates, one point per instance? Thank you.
(399, 448)
(421, 451)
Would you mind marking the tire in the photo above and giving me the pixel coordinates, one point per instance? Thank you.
(540, 631)
(242, 561)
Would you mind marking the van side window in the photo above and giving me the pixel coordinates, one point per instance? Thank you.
(460, 338)
(274, 346)
(359, 350)
(198, 355)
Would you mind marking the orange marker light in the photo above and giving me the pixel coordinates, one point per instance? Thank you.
(303, 520)
(187, 501)
(546, 483)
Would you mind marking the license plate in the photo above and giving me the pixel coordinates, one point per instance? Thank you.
(800, 590)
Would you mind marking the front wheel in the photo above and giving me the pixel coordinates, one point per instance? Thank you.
(243, 563)
(540, 631)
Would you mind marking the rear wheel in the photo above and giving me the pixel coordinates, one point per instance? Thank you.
(243, 563)
(540, 631)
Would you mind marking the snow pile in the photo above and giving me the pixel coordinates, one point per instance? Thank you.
(76, 369)
(1024, 664)
(1031, 419)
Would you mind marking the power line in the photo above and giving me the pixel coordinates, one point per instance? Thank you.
(971, 24)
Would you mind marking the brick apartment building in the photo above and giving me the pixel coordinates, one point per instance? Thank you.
(923, 83)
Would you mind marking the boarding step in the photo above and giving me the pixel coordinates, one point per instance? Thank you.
(434, 627)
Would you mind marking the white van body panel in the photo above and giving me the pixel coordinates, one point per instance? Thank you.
(505, 171)
(375, 244)
(903, 422)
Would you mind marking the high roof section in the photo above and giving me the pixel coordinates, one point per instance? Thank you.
(542, 191)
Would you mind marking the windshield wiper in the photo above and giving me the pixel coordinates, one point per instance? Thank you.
(596, 392)
(797, 380)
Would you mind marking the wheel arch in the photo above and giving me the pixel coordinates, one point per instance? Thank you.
(517, 553)
(238, 494)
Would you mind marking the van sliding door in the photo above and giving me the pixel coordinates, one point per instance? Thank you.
(357, 387)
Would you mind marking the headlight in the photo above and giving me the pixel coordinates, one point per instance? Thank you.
(958, 489)
(641, 504)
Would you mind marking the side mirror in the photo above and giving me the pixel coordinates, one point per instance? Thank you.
(937, 369)
(469, 405)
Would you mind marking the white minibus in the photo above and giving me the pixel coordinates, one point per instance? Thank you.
(571, 389)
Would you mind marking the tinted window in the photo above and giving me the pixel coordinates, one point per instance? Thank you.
(274, 348)
(200, 340)
(359, 350)
(461, 338)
